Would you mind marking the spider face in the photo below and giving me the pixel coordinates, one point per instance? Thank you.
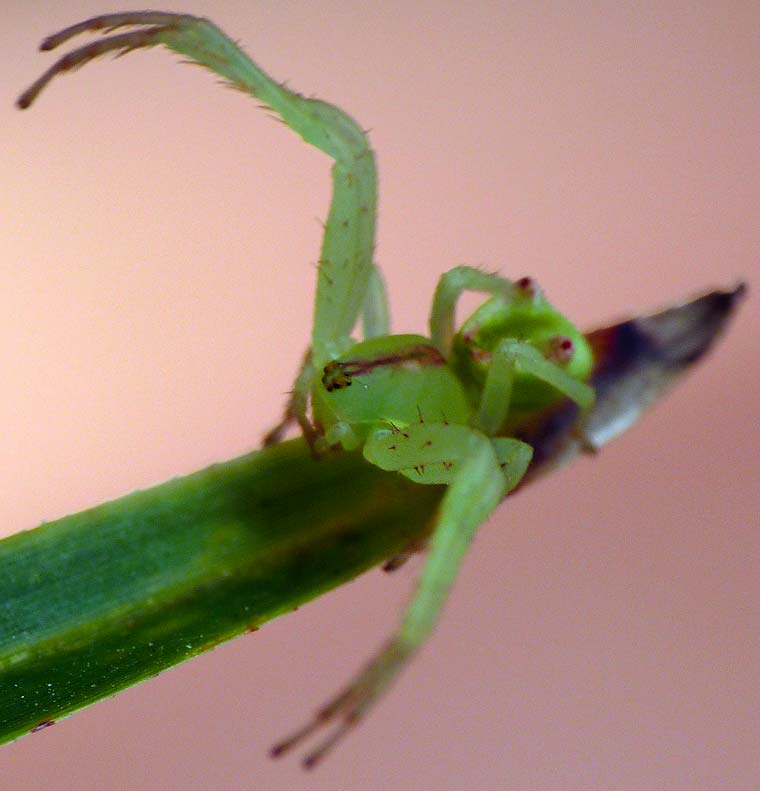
(529, 319)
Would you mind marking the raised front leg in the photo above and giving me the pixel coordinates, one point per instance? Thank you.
(471, 465)
(450, 287)
(345, 261)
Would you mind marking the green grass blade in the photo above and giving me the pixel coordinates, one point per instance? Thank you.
(97, 601)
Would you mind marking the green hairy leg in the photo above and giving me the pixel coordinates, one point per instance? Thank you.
(509, 353)
(345, 262)
(431, 453)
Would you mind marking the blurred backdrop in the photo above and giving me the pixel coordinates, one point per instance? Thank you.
(159, 236)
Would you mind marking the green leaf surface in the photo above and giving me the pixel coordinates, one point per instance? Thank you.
(97, 601)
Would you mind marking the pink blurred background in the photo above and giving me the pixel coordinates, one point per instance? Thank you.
(158, 240)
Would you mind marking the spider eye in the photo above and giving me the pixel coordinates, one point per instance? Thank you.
(335, 377)
(528, 288)
(560, 349)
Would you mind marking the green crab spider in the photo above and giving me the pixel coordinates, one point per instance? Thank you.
(444, 409)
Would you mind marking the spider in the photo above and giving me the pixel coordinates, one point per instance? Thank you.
(443, 409)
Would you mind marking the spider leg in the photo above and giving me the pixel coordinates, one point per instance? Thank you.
(345, 262)
(495, 400)
(297, 408)
(450, 287)
(376, 314)
(472, 465)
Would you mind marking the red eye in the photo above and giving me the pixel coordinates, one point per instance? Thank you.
(560, 349)
(528, 288)
(527, 284)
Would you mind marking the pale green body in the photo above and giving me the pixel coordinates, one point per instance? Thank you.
(439, 410)
(395, 394)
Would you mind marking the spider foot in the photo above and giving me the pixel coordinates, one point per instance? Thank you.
(349, 706)
(152, 26)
